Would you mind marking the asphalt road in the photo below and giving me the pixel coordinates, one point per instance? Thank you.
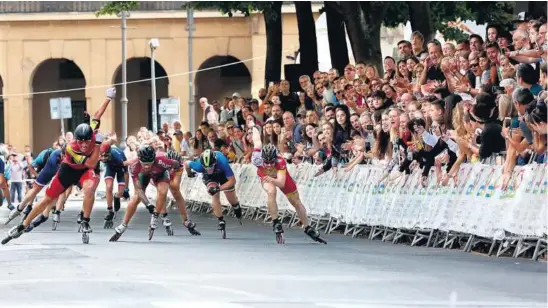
(54, 269)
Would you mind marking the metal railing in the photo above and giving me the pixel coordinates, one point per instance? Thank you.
(7, 7)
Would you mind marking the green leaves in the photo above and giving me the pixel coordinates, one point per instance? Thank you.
(116, 7)
(230, 7)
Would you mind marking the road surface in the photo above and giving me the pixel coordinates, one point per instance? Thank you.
(248, 270)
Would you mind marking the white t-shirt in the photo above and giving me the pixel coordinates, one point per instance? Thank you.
(185, 147)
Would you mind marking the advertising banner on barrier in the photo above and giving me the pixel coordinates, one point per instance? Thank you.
(476, 204)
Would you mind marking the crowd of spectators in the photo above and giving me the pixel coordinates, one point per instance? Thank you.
(435, 107)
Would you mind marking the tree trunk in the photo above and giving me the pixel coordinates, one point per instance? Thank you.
(307, 37)
(337, 36)
(273, 25)
(421, 20)
(363, 22)
(536, 9)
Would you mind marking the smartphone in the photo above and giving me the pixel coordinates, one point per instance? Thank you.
(369, 127)
(270, 84)
(507, 122)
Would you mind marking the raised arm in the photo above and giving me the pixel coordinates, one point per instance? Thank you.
(111, 94)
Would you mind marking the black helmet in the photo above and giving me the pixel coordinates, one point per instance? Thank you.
(208, 159)
(146, 154)
(83, 132)
(269, 153)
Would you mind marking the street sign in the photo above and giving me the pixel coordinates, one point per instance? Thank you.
(60, 108)
(169, 106)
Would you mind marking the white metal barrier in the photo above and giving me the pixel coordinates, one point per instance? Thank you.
(472, 212)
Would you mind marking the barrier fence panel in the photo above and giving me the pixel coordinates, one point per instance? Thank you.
(474, 209)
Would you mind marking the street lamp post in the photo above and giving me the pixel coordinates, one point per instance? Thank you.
(153, 43)
(191, 103)
(123, 100)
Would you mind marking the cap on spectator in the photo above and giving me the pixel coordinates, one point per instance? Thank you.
(177, 132)
(254, 101)
(508, 82)
(236, 126)
(160, 132)
(229, 124)
(301, 114)
(522, 17)
(235, 94)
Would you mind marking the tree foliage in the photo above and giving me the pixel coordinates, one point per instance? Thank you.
(231, 7)
(442, 12)
(116, 7)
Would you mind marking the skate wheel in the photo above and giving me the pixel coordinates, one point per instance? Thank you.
(54, 226)
(223, 234)
(108, 224)
(240, 221)
(150, 233)
(280, 238)
(79, 228)
(6, 240)
(85, 238)
(169, 231)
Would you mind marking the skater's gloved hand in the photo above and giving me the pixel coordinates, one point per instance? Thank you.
(213, 190)
(111, 93)
(150, 208)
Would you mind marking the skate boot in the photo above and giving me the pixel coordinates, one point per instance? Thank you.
(153, 225)
(109, 220)
(278, 230)
(167, 224)
(14, 233)
(222, 227)
(36, 222)
(126, 193)
(314, 234)
(238, 212)
(151, 208)
(56, 217)
(11, 207)
(117, 204)
(191, 227)
(26, 212)
(79, 220)
(13, 214)
(118, 232)
(86, 230)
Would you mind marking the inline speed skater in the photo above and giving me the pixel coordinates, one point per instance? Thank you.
(113, 160)
(81, 157)
(218, 176)
(272, 170)
(44, 167)
(155, 168)
(35, 167)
